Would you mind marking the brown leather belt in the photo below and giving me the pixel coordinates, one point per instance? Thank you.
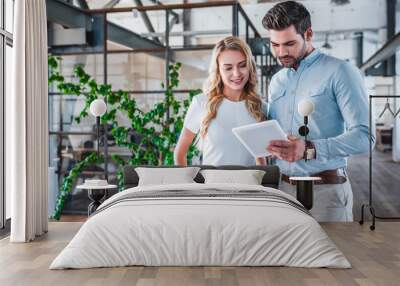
(338, 176)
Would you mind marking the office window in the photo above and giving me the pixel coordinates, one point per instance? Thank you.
(9, 15)
(7, 89)
(6, 42)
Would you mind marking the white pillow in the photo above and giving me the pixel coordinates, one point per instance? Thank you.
(249, 177)
(166, 176)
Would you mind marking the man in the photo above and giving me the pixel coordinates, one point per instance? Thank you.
(339, 124)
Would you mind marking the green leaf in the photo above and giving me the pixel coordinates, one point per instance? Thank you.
(52, 61)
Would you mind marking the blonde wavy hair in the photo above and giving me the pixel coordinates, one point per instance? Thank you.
(214, 86)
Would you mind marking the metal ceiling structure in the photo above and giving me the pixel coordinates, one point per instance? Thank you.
(388, 50)
(385, 56)
(70, 16)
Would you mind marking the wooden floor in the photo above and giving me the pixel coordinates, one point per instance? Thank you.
(385, 182)
(374, 255)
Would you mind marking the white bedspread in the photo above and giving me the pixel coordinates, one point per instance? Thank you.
(182, 231)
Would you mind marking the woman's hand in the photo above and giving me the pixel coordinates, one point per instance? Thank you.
(261, 161)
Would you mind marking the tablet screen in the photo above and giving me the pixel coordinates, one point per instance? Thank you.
(256, 137)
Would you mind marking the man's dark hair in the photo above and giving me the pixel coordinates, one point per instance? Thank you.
(285, 14)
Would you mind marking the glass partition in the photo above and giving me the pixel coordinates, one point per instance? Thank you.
(135, 61)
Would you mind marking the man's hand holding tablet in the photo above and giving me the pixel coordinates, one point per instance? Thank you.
(290, 150)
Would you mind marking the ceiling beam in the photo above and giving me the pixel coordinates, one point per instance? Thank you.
(83, 4)
(111, 4)
(146, 20)
(73, 17)
(388, 50)
(167, 7)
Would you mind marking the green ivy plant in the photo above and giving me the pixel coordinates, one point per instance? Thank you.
(68, 182)
(158, 129)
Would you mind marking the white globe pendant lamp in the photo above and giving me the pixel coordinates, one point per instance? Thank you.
(98, 108)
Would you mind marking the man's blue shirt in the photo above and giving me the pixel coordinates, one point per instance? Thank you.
(339, 124)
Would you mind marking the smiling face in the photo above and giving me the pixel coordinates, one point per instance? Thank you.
(234, 70)
(289, 47)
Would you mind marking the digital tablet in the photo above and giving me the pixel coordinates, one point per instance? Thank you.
(256, 137)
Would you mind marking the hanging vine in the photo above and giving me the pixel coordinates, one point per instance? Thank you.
(156, 131)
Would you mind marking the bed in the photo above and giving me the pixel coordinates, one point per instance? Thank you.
(201, 224)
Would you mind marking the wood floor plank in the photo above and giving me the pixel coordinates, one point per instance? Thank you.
(385, 182)
(374, 255)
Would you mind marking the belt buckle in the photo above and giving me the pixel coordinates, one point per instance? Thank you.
(339, 177)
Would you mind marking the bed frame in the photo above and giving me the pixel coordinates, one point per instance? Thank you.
(270, 179)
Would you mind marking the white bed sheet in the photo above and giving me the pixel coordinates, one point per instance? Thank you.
(200, 231)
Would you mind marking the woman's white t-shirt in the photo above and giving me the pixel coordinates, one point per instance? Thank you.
(220, 146)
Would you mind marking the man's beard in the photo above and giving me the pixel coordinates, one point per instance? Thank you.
(289, 62)
(293, 62)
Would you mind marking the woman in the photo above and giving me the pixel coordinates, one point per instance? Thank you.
(230, 100)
